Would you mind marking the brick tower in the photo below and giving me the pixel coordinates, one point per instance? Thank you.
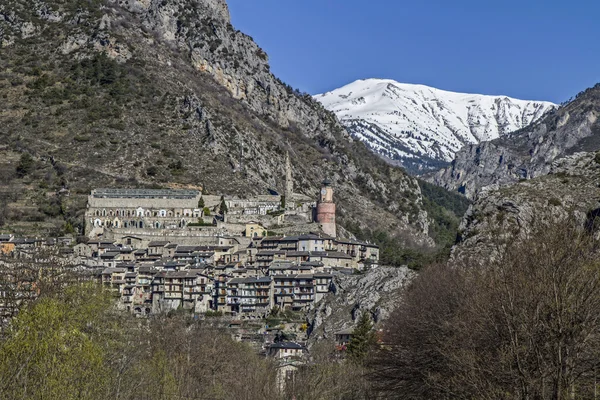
(326, 209)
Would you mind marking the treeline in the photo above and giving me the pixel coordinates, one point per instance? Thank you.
(520, 324)
(73, 344)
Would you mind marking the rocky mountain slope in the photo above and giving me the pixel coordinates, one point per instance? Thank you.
(376, 292)
(167, 93)
(529, 152)
(421, 127)
(570, 189)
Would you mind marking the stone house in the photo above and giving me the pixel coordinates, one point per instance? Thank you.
(158, 248)
(286, 350)
(255, 230)
(82, 250)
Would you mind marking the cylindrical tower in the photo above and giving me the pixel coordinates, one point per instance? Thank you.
(326, 209)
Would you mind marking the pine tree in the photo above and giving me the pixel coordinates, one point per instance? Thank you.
(223, 208)
(201, 203)
(363, 339)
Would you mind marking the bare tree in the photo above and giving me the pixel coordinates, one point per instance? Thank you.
(523, 325)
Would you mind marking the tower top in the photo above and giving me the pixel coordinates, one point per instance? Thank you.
(327, 182)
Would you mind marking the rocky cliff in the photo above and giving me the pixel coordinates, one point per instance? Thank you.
(529, 152)
(377, 292)
(167, 93)
(570, 189)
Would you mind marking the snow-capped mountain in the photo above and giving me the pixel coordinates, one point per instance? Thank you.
(421, 127)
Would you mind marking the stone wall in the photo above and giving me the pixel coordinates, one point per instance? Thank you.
(186, 237)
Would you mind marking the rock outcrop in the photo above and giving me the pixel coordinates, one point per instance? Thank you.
(570, 189)
(377, 292)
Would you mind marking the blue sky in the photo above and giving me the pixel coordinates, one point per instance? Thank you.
(528, 49)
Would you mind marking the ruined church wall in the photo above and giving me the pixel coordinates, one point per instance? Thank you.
(95, 202)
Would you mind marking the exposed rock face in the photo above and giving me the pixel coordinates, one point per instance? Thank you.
(570, 189)
(527, 153)
(377, 292)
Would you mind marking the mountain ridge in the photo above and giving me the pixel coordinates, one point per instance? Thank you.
(421, 127)
(527, 153)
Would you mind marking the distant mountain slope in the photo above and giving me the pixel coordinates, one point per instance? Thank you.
(529, 152)
(423, 127)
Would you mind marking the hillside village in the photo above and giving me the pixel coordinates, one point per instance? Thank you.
(162, 250)
(255, 260)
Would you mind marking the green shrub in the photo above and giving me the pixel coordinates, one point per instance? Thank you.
(554, 202)
(26, 165)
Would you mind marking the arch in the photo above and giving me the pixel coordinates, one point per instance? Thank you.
(182, 223)
(170, 213)
(97, 222)
(163, 213)
(147, 311)
(141, 224)
(138, 310)
(97, 213)
(148, 213)
(157, 225)
(104, 212)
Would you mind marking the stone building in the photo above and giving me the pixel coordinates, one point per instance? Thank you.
(326, 209)
(141, 208)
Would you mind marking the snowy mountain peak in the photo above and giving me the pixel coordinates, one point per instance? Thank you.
(422, 127)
